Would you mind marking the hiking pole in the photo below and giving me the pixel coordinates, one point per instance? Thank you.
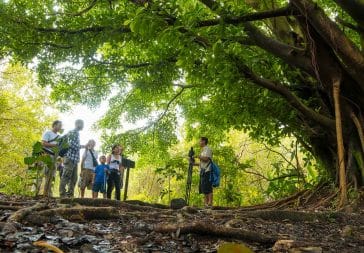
(191, 155)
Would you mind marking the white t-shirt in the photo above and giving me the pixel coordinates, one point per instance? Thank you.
(50, 136)
(115, 163)
(206, 152)
(88, 162)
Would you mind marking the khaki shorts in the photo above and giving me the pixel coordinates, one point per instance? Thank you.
(86, 178)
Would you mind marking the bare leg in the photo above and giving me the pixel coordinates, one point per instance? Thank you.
(104, 195)
(82, 192)
(206, 200)
(209, 199)
(95, 195)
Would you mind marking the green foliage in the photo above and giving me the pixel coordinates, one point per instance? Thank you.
(161, 64)
(23, 117)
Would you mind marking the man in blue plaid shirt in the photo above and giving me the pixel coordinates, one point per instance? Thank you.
(71, 160)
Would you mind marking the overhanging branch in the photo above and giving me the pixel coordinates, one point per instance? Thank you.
(284, 11)
(164, 113)
(283, 91)
(330, 32)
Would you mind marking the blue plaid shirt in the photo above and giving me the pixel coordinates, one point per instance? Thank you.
(74, 146)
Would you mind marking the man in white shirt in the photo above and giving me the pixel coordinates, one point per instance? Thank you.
(205, 185)
(49, 140)
(88, 164)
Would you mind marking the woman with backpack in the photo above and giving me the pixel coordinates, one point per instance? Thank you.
(116, 171)
(205, 185)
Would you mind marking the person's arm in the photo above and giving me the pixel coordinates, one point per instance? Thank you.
(46, 140)
(93, 176)
(83, 158)
(47, 144)
(121, 169)
(108, 159)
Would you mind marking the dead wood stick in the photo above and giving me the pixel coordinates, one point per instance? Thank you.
(218, 231)
(19, 215)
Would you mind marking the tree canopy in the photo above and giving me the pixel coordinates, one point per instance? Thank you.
(266, 67)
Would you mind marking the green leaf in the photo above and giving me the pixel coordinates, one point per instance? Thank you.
(29, 160)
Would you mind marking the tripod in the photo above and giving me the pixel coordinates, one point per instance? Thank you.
(191, 155)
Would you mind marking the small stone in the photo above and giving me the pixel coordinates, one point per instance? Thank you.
(306, 250)
(88, 248)
(9, 228)
(190, 209)
(347, 231)
(282, 245)
(178, 203)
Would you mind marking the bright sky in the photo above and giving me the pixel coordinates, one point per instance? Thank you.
(89, 117)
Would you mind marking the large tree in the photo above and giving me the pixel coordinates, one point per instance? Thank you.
(271, 67)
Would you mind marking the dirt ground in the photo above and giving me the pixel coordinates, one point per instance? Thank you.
(86, 225)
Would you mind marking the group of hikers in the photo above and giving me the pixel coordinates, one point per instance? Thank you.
(102, 173)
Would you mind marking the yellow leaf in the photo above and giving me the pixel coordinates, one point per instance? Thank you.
(234, 248)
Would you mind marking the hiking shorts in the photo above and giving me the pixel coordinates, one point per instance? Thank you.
(86, 178)
(99, 187)
(205, 186)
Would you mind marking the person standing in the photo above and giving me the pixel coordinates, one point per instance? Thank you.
(49, 141)
(88, 164)
(99, 180)
(71, 159)
(116, 171)
(205, 185)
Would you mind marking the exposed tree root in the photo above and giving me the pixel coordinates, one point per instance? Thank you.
(19, 215)
(141, 203)
(295, 216)
(217, 231)
(324, 201)
(275, 204)
(5, 207)
(78, 214)
(113, 203)
(14, 203)
(313, 193)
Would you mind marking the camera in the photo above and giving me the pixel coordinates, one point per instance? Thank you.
(191, 155)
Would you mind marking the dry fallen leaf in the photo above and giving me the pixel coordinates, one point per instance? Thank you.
(234, 248)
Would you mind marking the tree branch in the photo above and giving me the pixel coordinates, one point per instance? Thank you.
(92, 29)
(284, 11)
(211, 4)
(270, 179)
(291, 98)
(80, 13)
(291, 55)
(162, 115)
(280, 154)
(347, 51)
(136, 65)
(50, 44)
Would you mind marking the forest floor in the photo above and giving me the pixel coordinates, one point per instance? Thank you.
(87, 225)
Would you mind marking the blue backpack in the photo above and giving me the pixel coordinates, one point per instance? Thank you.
(215, 175)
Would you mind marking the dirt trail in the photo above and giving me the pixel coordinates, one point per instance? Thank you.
(81, 225)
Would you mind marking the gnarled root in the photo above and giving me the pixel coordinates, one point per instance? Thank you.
(217, 231)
